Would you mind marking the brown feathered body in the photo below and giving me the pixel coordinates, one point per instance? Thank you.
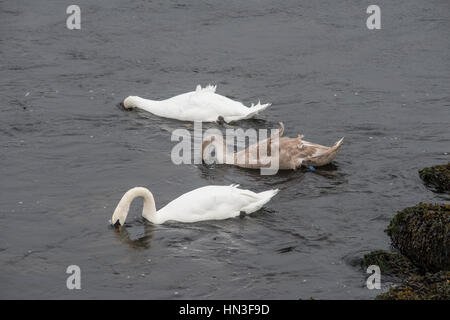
(292, 152)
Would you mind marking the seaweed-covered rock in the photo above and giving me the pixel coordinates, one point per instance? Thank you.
(431, 286)
(422, 234)
(437, 177)
(389, 263)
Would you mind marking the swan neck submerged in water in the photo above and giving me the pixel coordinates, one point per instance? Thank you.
(132, 102)
(148, 211)
(223, 156)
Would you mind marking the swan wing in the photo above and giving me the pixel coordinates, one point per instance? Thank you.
(214, 105)
(213, 203)
(203, 104)
(207, 100)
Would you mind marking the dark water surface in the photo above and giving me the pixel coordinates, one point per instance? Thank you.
(68, 152)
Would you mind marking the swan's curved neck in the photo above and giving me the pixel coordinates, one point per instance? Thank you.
(138, 102)
(148, 211)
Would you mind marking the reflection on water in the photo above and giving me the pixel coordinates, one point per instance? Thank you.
(220, 172)
(141, 242)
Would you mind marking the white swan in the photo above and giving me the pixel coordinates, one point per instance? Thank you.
(203, 104)
(206, 203)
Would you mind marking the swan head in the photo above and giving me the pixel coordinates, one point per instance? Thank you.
(130, 102)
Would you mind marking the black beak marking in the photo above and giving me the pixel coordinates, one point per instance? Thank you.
(117, 224)
(220, 120)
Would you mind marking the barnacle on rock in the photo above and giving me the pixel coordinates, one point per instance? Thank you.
(437, 177)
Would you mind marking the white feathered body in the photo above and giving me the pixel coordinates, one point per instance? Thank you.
(203, 104)
(213, 203)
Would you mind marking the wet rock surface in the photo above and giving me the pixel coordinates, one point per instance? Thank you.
(422, 233)
(431, 286)
(390, 263)
(413, 283)
(437, 177)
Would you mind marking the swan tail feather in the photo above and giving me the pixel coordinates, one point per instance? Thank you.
(335, 148)
(263, 197)
(208, 88)
(338, 144)
(256, 109)
(327, 156)
(252, 111)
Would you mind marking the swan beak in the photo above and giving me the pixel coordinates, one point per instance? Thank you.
(117, 225)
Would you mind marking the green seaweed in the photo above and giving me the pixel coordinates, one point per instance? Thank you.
(389, 263)
(431, 286)
(422, 234)
(437, 177)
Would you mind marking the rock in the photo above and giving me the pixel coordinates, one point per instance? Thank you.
(422, 234)
(389, 263)
(413, 285)
(437, 177)
(431, 286)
